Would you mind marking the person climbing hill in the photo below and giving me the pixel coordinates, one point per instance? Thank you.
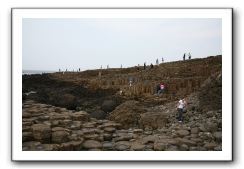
(180, 108)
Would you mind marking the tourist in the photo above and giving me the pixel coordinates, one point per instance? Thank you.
(180, 107)
(144, 65)
(184, 57)
(157, 88)
(189, 56)
(157, 62)
(162, 59)
(161, 88)
(151, 66)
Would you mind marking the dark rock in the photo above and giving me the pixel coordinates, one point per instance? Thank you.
(108, 105)
(98, 114)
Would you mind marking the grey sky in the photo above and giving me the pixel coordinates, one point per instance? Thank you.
(50, 44)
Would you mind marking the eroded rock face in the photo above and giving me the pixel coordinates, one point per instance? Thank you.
(153, 120)
(127, 114)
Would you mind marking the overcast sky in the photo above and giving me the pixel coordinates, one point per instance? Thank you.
(50, 44)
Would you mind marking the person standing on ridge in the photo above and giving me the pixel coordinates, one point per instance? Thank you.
(144, 65)
(184, 57)
(157, 62)
(189, 56)
(162, 59)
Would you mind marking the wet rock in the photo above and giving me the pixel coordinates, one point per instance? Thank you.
(41, 132)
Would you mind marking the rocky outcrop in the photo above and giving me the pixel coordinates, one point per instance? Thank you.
(83, 111)
(128, 114)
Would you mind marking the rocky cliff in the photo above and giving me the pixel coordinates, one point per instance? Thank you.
(100, 110)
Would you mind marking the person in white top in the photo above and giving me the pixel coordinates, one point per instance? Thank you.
(180, 107)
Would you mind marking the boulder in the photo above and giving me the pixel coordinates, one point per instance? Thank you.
(122, 145)
(183, 133)
(108, 105)
(92, 144)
